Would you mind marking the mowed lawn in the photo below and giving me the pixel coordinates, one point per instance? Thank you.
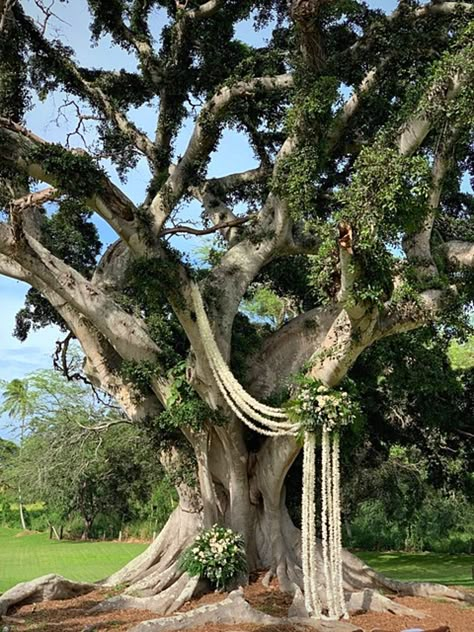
(24, 557)
(454, 570)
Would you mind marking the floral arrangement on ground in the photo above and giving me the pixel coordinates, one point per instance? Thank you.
(217, 554)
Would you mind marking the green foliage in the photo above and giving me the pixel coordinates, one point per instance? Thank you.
(265, 305)
(217, 554)
(14, 97)
(443, 524)
(461, 355)
(76, 174)
(140, 374)
(458, 59)
(71, 465)
(388, 194)
(387, 197)
(300, 174)
(184, 408)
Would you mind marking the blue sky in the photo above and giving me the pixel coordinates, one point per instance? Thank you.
(233, 154)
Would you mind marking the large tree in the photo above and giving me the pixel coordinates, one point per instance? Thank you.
(361, 124)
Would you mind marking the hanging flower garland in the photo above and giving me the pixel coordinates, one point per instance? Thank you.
(317, 409)
(321, 410)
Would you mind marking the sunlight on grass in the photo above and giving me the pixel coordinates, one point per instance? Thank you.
(24, 557)
(426, 567)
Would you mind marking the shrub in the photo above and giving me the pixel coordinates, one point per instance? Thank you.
(218, 554)
(443, 523)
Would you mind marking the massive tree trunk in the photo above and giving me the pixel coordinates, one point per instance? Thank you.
(240, 477)
(245, 490)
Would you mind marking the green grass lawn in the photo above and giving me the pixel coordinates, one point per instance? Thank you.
(24, 557)
(427, 567)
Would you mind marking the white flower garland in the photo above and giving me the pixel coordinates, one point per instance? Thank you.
(312, 601)
(249, 410)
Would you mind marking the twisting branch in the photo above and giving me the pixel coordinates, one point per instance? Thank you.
(87, 89)
(37, 198)
(459, 253)
(226, 184)
(205, 10)
(18, 145)
(207, 231)
(415, 130)
(5, 12)
(417, 246)
(307, 16)
(408, 315)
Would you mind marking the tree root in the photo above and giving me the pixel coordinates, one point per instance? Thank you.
(167, 602)
(235, 610)
(158, 566)
(373, 601)
(46, 588)
(359, 576)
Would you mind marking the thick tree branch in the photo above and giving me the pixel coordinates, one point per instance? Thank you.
(459, 253)
(417, 246)
(286, 350)
(407, 315)
(416, 129)
(204, 137)
(216, 210)
(103, 361)
(37, 198)
(83, 296)
(205, 10)
(18, 146)
(226, 184)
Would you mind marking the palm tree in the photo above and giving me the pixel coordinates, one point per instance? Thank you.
(18, 404)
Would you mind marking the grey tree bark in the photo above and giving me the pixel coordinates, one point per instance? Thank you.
(239, 487)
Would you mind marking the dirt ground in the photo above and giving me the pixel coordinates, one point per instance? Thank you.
(72, 615)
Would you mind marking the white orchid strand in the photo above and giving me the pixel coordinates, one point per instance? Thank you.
(326, 521)
(311, 530)
(339, 583)
(204, 326)
(252, 412)
(305, 519)
(238, 412)
(219, 368)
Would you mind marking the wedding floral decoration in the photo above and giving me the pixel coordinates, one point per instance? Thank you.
(316, 411)
(217, 554)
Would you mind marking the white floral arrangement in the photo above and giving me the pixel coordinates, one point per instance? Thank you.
(318, 406)
(217, 554)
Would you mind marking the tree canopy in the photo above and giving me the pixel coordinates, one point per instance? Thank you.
(355, 218)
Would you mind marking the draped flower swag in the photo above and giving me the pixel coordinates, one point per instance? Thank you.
(316, 409)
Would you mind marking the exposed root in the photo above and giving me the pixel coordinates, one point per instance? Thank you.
(371, 600)
(359, 576)
(235, 610)
(156, 567)
(167, 602)
(46, 588)
(423, 589)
